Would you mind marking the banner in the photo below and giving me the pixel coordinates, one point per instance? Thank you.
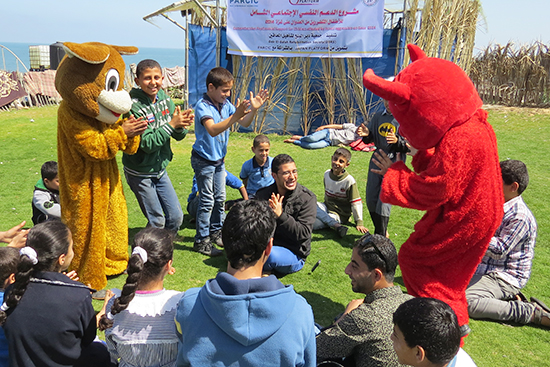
(305, 28)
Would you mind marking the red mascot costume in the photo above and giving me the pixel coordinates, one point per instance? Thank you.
(456, 177)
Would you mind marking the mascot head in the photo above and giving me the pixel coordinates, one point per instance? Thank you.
(427, 98)
(90, 80)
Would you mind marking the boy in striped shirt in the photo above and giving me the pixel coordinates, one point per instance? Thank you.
(341, 197)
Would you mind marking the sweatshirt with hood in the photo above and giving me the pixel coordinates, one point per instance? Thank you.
(252, 322)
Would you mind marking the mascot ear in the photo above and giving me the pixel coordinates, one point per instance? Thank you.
(395, 91)
(415, 52)
(126, 50)
(90, 52)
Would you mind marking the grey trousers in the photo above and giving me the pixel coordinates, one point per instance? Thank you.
(490, 297)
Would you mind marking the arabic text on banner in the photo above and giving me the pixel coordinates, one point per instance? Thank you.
(305, 28)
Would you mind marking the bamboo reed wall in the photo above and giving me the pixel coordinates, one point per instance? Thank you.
(513, 76)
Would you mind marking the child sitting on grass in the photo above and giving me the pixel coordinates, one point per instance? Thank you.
(45, 199)
(48, 318)
(139, 323)
(9, 258)
(256, 172)
(341, 197)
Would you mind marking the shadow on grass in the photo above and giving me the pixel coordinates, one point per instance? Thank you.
(330, 235)
(324, 309)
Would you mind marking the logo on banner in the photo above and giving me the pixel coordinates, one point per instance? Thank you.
(244, 3)
(304, 2)
(370, 2)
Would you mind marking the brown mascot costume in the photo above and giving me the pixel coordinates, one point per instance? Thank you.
(89, 135)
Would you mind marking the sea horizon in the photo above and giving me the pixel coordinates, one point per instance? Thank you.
(167, 57)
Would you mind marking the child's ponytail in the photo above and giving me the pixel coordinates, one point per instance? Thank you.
(135, 267)
(25, 268)
(153, 249)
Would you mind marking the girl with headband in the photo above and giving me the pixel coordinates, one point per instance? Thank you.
(48, 318)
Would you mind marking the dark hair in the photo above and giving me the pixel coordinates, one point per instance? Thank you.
(159, 245)
(9, 258)
(431, 324)
(50, 240)
(260, 139)
(378, 252)
(218, 76)
(246, 231)
(344, 153)
(279, 160)
(146, 64)
(515, 171)
(49, 170)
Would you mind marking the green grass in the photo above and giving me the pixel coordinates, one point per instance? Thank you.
(522, 134)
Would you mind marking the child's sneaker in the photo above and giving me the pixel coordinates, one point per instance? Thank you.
(216, 238)
(205, 247)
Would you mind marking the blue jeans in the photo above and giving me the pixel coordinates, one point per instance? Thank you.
(283, 261)
(158, 201)
(324, 218)
(211, 186)
(317, 140)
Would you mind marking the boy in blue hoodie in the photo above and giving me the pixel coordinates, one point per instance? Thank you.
(240, 317)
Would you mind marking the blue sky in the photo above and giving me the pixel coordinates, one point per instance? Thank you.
(120, 22)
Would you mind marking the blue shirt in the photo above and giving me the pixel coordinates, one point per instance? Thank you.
(258, 176)
(211, 148)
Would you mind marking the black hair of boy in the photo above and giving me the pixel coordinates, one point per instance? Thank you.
(432, 325)
(246, 231)
(159, 245)
(146, 64)
(50, 240)
(515, 171)
(344, 153)
(49, 170)
(260, 139)
(370, 246)
(9, 258)
(219, 76)
(279, 160)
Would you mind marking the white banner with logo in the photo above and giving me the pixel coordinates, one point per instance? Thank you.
(305, 28)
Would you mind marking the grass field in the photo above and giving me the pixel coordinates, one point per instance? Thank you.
(28, 138)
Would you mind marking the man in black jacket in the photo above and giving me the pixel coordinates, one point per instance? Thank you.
(296, 208)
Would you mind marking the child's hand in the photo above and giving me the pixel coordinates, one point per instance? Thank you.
(258, 101)
(188, 117)
(276, 203)
(242, 108)
(319, 128)
(134, 127)
(362, 229)
(391, 138)
(11, 233)
(72, 275)
(362, 130)
(180, 120)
